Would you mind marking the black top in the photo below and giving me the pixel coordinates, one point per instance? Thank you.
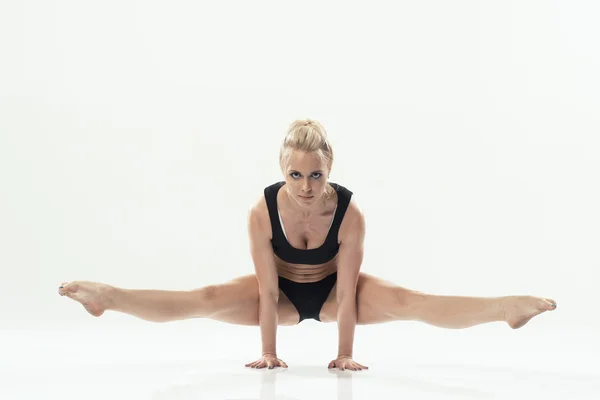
(328, 250)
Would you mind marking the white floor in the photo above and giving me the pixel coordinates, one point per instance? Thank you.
(128, 359)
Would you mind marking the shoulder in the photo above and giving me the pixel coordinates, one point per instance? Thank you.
(260, 207)
(258, 215)
(354, 214)
(354, 223)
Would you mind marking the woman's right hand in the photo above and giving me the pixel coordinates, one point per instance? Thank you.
(267, 360)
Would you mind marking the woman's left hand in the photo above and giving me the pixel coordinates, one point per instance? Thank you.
(345, 362)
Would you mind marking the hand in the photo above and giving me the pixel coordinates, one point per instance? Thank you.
(267, 360)
(345, 362)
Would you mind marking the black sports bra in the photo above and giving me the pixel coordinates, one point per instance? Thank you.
(285, 251)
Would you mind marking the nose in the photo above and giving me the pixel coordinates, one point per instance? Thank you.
(305, 186)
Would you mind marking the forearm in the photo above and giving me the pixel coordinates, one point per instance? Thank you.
(268, 319)
(346, 319)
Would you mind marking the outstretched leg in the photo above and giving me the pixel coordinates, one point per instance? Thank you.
(379, 301)
(234, 302)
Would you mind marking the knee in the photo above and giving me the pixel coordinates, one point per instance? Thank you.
(206, 294)
(408, 300)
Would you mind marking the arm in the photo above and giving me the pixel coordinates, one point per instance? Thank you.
(350, 260)
(266, 274)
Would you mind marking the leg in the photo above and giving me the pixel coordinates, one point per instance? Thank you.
(379, 301)
(234, 302)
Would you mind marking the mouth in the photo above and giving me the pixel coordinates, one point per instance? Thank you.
(305, 197)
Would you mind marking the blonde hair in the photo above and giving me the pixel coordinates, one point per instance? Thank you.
(309, 136)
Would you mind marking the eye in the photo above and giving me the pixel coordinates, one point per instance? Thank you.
(314, 175)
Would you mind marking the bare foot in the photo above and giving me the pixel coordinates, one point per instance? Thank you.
(94, 297)
(518, 310)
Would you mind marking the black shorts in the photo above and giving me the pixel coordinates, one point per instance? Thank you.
(308, 298)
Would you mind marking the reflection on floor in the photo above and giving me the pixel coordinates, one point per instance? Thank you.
(168, 362)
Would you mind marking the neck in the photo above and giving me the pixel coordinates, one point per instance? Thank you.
(306, 210)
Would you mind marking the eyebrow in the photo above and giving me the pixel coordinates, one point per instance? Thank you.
(295, 170)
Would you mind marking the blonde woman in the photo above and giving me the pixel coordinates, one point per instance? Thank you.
(306, 241)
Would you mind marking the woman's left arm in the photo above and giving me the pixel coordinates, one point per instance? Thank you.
(349, 262)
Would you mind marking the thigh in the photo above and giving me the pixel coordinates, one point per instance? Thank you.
(236, 302)
(377, 300)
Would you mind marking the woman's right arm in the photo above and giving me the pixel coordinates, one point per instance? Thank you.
(266, 273)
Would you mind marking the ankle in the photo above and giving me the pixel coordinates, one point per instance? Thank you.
(111, 296)
(502, 309)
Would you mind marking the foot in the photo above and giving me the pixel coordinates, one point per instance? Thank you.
(518, 310)
(94, 297)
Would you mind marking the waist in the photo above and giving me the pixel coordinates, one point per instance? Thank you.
(305, 273)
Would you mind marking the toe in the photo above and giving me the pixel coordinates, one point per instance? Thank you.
(547, 304)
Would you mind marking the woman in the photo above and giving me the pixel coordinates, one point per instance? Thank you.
(306, 241)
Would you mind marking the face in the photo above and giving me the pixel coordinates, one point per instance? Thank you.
(305, 177)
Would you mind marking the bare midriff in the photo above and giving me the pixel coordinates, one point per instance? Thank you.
(305, 273)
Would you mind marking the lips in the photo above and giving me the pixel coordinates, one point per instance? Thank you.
(304, 197)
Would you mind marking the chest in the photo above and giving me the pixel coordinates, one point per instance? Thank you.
(309, 233)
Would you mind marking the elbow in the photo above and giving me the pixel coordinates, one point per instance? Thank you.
(345, 295)
(269, 294)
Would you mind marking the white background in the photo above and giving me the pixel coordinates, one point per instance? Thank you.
(134, 136)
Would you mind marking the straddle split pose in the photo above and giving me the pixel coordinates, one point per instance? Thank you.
(306, 242)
